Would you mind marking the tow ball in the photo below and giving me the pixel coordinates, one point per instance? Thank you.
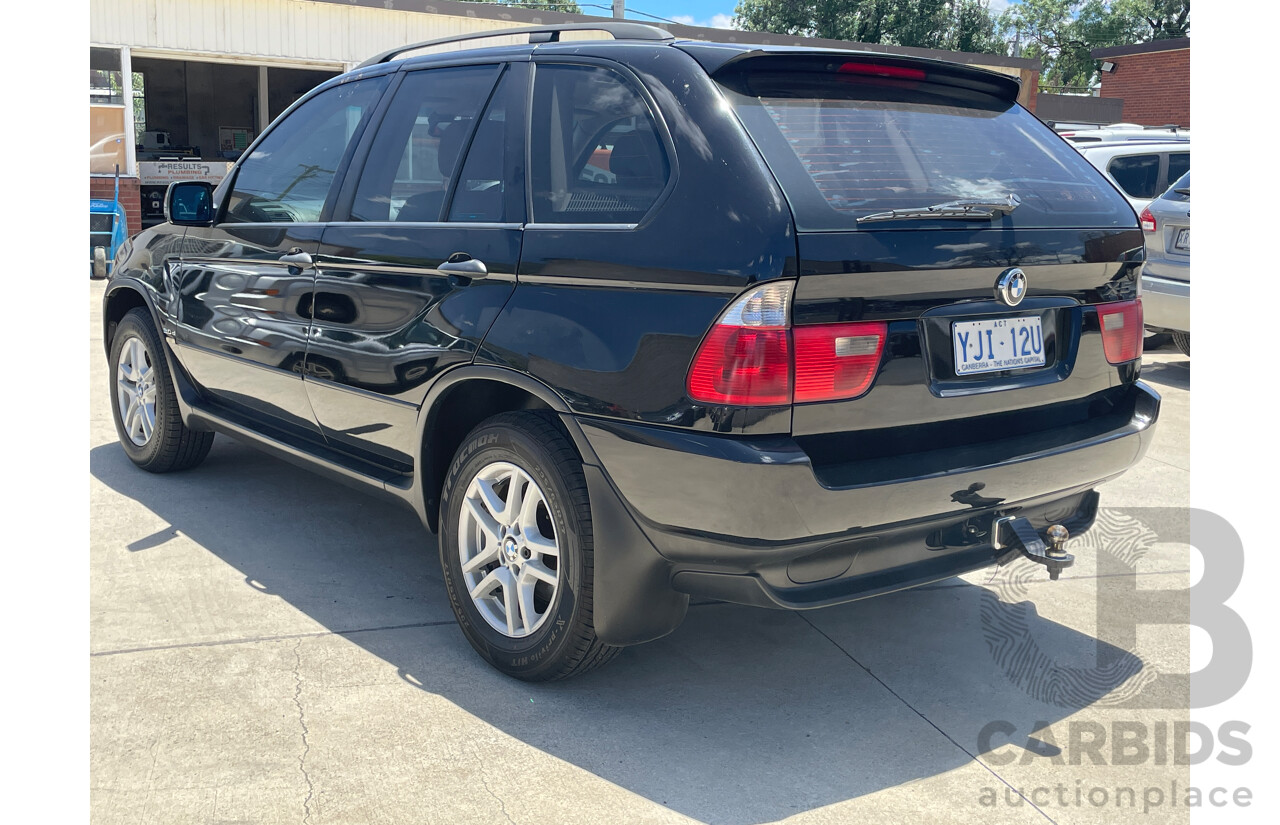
(1012, 532)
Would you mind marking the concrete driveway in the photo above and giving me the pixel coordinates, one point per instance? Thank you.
(267, 646)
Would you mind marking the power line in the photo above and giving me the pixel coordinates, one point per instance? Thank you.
(654, 16)
(582, 6)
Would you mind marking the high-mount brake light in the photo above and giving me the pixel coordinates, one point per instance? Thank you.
(753, 357)
(1121, 330)
(882, 70)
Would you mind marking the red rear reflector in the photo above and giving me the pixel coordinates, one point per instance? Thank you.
(835, 361)
(1147, 220)
(1121, 330)
(882, 70)
(742, 366)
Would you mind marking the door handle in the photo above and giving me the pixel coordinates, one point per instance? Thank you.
(463, 265)
(296, 258)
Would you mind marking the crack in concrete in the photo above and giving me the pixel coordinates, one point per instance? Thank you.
(302, 720)
(973, 756)
(276, 638)
(485, 782)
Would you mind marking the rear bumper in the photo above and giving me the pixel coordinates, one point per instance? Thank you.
(751, 520)
(1166, 303)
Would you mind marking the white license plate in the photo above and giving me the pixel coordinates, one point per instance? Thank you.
(997, 344)
(1183, 240)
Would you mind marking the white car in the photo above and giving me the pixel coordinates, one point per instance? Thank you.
(1081, 133)
(1140, 169)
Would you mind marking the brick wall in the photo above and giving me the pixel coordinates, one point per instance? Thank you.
(129, 196)
(1156, 87)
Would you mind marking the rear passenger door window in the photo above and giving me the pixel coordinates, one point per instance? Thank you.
(1137, 175)
(412, 163)
(489, 188)
(595, 152)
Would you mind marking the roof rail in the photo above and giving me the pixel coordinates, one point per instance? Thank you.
(537, 34)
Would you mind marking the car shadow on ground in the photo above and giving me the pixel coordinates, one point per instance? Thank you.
(742, 716)
(1174, 374)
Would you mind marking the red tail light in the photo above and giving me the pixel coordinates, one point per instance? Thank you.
(745, 360)
(1121, 330)
(752, 356)
(742, 366)
(1147, 220)
(836, 361)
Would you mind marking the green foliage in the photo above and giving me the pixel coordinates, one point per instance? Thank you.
(963, 25)
(1163, 19)
(1060, 33)
(566, 6)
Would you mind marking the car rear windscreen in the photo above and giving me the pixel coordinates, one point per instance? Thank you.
(846, 147)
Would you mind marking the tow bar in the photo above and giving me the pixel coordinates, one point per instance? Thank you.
(1018, 532)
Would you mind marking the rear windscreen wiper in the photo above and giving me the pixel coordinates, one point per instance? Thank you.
(964, 209)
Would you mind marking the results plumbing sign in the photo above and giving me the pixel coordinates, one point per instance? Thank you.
(165, 172)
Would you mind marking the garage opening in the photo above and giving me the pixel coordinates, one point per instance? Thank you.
(195, 118)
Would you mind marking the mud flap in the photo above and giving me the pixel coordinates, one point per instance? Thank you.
(633, 599)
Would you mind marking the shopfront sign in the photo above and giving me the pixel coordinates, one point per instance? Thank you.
(165, 172)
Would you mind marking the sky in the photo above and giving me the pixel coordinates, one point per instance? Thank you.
(714, 13)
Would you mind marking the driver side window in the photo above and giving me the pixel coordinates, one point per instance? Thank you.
(597, 157)
(289, 174)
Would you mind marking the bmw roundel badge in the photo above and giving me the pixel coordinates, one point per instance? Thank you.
(1011, 286)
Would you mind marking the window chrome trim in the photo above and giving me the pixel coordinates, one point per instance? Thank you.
(431, 224)
(598, 226)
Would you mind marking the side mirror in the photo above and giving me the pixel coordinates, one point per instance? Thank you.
(189, 203)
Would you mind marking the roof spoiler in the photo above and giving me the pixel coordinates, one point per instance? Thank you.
(871, 65)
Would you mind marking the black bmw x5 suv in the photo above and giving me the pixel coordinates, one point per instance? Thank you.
(632, 320)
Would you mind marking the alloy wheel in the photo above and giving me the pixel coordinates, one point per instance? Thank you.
(136, 390)
(508, 549)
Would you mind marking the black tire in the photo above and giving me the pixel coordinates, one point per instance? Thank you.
(565, 644)
(172, 445)
(1155, 340)
(1182, 340)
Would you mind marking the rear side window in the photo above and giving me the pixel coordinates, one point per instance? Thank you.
(595, 153)
(1179, 164)
(1137, 175)
(289, 174)
(844, 146)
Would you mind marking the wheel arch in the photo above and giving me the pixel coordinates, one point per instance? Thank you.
(458, 402)
(122, 296)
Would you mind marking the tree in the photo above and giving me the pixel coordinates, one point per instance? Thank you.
(550, 5)
(1165, 19)
(974, 29)
(1061, 33)
(964, 25)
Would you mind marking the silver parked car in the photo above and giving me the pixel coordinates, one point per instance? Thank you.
(1141, 169)
(1166, 275)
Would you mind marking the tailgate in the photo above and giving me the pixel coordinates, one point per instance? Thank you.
(895, 170)
(925, 282)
